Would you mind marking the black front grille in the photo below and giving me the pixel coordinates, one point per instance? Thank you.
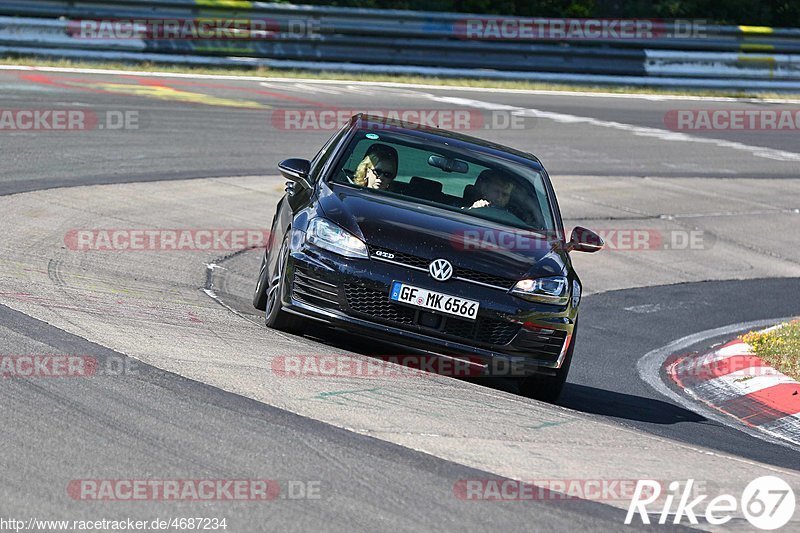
(376, 304)
(460, 328)
(308, 288)
(482, 277)
(542, 343)
(496, 331)
(465, 273)
(485, 330)
(408, 259)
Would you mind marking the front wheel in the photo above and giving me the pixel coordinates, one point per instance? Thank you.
(260, 294)
(548, 388)
(277, 318)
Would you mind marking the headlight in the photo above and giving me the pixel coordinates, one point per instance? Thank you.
(328, 236)
(552, 290)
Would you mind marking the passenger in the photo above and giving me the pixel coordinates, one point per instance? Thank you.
(378, 168)
(493, 190)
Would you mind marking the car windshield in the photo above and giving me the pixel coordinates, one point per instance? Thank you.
(487, 187)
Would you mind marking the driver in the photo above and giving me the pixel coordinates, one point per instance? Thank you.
(493, 190)
(378, 168)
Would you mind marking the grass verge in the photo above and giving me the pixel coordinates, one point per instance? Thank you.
(779, 348)
(328, 75)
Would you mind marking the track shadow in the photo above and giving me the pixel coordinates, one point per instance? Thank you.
(625, 406)
(353, 342)
(578, 397)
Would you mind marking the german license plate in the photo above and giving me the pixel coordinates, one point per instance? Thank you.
(435, 301)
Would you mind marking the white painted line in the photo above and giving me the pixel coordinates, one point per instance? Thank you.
(776, 326)
(743, 382)
(562, 78)
(643, 131)
(664, 135)
(649, 368)
(305, 88)
(363, 89)
(543, 92)
(711, 395)
(553, 92)
(740, 349)
(736, 348)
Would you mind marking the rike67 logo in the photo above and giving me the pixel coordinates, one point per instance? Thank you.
(767, 503)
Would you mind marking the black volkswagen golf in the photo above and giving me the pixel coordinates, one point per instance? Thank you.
(432, 240)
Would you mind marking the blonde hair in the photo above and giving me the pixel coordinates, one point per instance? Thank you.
(375, 153)
(368, 163)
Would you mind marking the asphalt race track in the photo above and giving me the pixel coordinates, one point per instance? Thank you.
(199, 398)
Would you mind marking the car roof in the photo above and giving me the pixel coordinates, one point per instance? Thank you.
(440, 136)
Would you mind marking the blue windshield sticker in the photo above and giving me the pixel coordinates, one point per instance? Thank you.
(373, 136)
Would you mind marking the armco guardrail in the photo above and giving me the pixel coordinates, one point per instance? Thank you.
(394, 41)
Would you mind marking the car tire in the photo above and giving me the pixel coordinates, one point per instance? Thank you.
(548, 388)
(275, 317)
(260, 294)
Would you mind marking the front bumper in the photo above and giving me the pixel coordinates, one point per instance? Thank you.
(354, 294)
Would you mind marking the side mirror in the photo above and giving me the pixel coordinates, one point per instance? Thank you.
(296, 170)
(585, 240)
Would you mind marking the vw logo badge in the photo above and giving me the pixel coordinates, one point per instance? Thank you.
(441, 269)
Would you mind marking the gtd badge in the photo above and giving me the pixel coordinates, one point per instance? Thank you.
(387, 255)
(441, 269)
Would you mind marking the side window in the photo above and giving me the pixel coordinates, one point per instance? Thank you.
(324, 155)
(530, 203)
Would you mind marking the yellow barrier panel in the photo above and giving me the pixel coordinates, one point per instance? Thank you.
(235, 4)
(756, 59)
(761, 30)
(752, 47)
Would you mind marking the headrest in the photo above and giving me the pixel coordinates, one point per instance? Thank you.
(470, 194)
(424, 188)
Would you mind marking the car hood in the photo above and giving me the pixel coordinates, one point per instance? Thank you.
(391, 224)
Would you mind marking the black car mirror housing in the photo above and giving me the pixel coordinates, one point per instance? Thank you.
(585, 240)
(297, 171)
